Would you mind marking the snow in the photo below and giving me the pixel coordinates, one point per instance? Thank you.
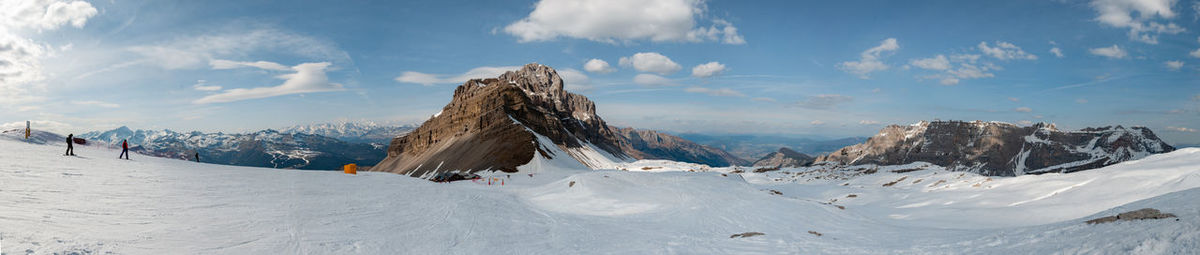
(97, 204)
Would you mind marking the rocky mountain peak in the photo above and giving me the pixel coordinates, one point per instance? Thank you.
(785, 157)
(1003, 149)
(504, 122)
(494, 124)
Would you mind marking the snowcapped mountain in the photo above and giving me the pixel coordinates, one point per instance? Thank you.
(1002, 149)
(353, 131)
(266, 148)
(505, 122)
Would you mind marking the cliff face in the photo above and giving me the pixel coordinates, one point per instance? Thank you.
(785, 158)
(650, 144)
(1001, 149)
(490, 124)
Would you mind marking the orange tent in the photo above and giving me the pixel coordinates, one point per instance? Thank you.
(350, 169)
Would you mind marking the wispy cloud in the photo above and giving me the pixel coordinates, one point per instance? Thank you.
(96, 103)
(307, 78)
(823, 101)
(869, 61)
(475, 73)
(715, 92)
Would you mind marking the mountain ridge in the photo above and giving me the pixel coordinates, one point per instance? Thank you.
(1001, 149)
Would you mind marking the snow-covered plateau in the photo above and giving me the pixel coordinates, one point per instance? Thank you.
(96, 204)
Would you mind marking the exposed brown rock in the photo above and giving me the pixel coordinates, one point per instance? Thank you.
(785, 158)
(484, 126)
(650, 144)
(747, 234)
(1001, 149)
(490, 124)
(1141, 214)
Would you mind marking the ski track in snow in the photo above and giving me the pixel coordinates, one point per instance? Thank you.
(96, 204)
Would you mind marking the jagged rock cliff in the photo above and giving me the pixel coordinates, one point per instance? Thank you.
(490, 124)
(785, 158)
(650, 144)
(500, 123)
(1002, 149)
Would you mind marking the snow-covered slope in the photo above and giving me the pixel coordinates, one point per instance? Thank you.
(95, 204)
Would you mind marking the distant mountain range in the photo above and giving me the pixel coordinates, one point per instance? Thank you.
(758, 146)
(316, 147)
(354, 132)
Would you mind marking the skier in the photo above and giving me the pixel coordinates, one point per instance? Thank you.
(197, 157)
(70, 148)
(124, 149)
(27, 130)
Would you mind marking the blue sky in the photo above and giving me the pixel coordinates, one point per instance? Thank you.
(828, 68)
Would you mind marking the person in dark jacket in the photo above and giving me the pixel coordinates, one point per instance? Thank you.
(70, 147)
(197, 157)
(124, 149)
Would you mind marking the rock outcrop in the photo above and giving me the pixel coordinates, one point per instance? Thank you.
(1001, 149)
(785, 158)
(502, 123)
(650, 144)
(1141, 214)
(490, 124)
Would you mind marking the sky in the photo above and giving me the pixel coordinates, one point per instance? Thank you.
(818, 68)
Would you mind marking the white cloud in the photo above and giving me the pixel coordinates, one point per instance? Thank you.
(202, 85)
(816, 122)
(1113, 52)
(96, 103)
(1119, 14)
(474, 73)
(1081, 101)
(613, 21)
(1182, 129)
(763, 99)
(935, 63)
(1196, 53)
(652, 80)
(598, 66)
(45, 15)
(824, 101)
(708, 69)
(20, 69)
(1174, 65)
(1023, 109)
(21, 58)
(868, 122)
(308, 78)
(715, 92)
(1057, 52)
(1014, 99)
(200, 51)
(1005, 51)
(869, 62)
(574, 80)
(650, 62)
(221, 64)
(1024, 122)
(959, 67)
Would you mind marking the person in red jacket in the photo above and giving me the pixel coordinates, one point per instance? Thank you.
(124, 149)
